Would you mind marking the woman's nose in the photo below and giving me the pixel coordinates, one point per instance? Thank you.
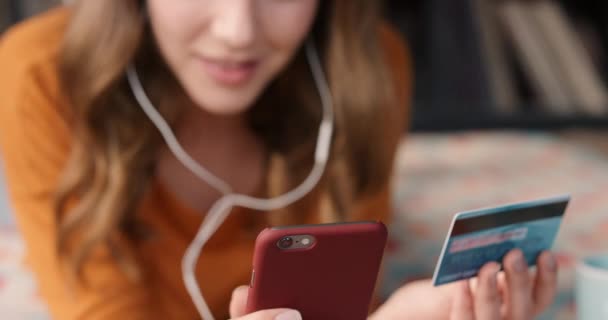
(235, 23)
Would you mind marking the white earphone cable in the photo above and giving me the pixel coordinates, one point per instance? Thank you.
(221, 208)
(170, 139)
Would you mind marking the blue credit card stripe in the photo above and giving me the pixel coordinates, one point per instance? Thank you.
(519, 215)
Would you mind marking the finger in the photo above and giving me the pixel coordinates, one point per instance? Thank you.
(487, 297)
(473, 283)
(273, 314)
(519, 287)
(503, 291)
(462, 306)
(238, 303)
(545, 284)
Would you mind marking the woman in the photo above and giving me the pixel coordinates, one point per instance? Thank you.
(107, 211)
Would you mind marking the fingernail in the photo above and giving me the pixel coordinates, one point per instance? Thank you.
(289, 315)
(551, 263)
(520, 263)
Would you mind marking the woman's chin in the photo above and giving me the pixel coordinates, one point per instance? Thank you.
(225, 107)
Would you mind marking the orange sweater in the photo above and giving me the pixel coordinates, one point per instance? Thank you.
(35, 141)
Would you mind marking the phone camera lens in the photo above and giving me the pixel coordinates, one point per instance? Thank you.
(285, 243)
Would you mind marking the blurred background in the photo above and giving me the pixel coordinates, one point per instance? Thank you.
(507, 63)
(510, 104)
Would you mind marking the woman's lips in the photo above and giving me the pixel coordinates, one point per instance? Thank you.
(232, 73)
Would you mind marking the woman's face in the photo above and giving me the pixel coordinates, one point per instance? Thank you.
(225, 52)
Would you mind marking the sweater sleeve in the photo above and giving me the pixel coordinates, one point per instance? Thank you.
(35, 143)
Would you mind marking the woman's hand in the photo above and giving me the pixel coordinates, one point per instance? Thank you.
(516, 294)
(239, 301)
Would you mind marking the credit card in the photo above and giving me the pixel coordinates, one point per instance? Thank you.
(480, 236)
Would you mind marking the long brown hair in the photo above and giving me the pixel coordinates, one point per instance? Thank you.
(115, 146)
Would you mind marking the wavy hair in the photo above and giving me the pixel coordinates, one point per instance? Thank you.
(115, 146)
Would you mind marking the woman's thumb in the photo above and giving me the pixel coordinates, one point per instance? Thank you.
(238, 303)
(273, 314)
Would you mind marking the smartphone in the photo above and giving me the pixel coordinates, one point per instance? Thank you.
(324, 271)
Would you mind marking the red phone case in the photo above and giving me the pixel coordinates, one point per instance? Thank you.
(334, 279)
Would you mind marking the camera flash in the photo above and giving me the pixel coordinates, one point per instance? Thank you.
(305, 241)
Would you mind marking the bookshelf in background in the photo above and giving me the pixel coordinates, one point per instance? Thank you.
(507, 63)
